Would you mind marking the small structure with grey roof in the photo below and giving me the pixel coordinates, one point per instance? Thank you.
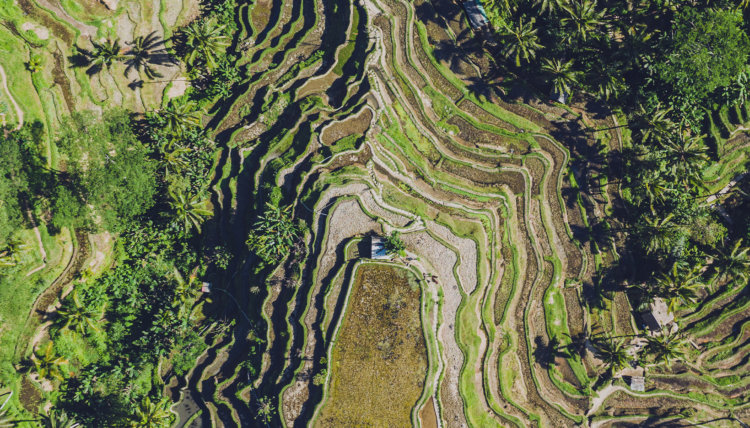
(658, 316)
(475, 12)
(638, 383)
(377, 248)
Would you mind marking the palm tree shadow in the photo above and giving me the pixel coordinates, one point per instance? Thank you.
(481, 88)
(545, 352)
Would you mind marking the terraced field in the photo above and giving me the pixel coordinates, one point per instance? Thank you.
(395, 127)
(377, 116)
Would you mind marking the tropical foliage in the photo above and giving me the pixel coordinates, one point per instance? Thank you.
(394, 244)
(274, 234)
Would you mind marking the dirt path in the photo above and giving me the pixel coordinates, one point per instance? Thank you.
(56, 289)
(16, 107)
(597, 401)
(733, 182)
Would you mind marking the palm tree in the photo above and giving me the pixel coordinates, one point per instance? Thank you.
(185, 290)
(735, 264)
(152, 414)
(634, 46)
(654, 187)
(562, 75)
(174, 161)
(612, 352)
(47, 364)
(189, 210)
(266, 409)
(658, 234)
(665, 347)
(584, 18)
(579, 342)
(606, 82)
(75, 316)
(274, 234)
(521, 41)
(654, 125)
(179, 116)
(103, 55)
(687, 155)
(678, 286)
(205, 42)
(58, 419)
(551, 6)
(144, 52)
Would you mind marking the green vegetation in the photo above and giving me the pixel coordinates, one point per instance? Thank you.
(394, 244)
(379, 351)
(188, 188)
(274, 235)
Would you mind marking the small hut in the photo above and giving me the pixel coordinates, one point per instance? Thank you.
(658, 317)
(206, 287)
(638, 383)
(377, 248)
(475, 12)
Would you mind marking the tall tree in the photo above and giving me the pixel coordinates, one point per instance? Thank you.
(561, 74)
(613, 353)
(521, 41)
(152, 414)
(584, 18)
(109, 168)
(23, 178)
(75, 316)
(205, 41)
(734, 265)
(705, 49)
(47, 364)
(190, 210)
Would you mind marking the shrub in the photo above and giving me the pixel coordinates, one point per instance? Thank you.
(394, 244)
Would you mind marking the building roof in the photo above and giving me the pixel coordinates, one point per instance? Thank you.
(206, 287)
(475, 11)
(638, 383)
(377, 248)
(658, 315)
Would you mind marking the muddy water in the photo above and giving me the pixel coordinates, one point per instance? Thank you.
(427, 415)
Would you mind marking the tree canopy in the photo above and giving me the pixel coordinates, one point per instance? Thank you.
(108, 168)
(704, 50)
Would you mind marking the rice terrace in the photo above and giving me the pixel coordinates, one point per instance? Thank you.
(374, 213)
